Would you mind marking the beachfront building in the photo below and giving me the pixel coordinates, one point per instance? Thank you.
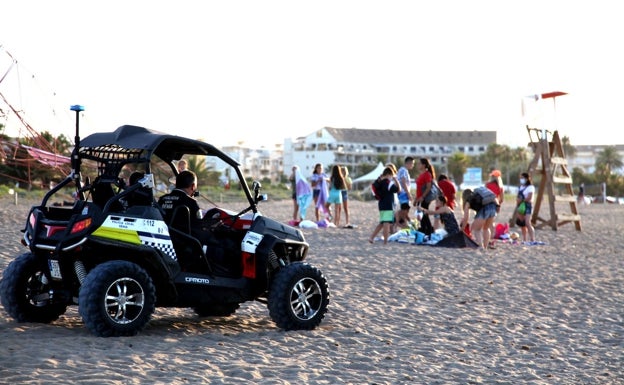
(353, 147)
(256, 163)
(586, 155)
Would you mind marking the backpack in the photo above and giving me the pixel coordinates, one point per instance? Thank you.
(480, 197)
(376, 188)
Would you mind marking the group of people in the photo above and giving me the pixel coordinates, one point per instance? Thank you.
(324, 191)
(435, 198)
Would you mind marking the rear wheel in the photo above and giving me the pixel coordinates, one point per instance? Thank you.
(25, 291)
(117, 298)
(298, 297)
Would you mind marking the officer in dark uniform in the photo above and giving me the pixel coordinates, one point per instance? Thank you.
(183, 195)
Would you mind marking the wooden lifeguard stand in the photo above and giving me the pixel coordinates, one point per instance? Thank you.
(550, 163)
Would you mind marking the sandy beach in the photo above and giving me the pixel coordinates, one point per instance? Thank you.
(399, 314)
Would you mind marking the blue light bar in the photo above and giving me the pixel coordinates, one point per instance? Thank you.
(77, 107)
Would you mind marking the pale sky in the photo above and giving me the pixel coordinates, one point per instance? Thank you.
(261, 71)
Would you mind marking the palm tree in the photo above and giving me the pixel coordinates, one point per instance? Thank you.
(568, 149)
(457, 165)
(607, 161)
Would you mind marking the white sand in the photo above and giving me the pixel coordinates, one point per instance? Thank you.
(399, 314)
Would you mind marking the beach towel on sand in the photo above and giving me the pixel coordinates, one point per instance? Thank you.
(458, 240)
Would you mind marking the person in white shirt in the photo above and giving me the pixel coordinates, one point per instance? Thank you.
(524, 206)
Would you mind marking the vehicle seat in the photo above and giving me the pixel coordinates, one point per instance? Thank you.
(181, 219)
(140, 197)
(143, 196)
(191, 257)
(101, 192)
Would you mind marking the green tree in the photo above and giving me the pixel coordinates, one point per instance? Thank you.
(607, 161)
(457, 164)
(568, 149)
(205, 176)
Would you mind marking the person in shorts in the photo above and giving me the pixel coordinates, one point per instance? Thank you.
(385, 204)
(404, 195)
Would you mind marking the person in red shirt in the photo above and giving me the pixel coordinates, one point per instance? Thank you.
(448, 189)
(424, 191)
(495, 185)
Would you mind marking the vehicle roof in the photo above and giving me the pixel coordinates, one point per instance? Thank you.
(165, 146)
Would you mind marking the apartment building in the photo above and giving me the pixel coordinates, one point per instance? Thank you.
(586, 155)
(256, 163)
(354, 147)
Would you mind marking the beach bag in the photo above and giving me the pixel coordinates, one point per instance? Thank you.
(522, 208)
(500, 230)
(434, 193)
(480, 197)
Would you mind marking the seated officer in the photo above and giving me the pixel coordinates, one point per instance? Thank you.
(183, 195)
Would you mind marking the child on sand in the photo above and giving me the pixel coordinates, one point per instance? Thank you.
(389, 187)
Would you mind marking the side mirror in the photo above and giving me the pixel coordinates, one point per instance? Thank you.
(255, 187)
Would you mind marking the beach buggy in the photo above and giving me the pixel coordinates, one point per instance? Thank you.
(112, 253)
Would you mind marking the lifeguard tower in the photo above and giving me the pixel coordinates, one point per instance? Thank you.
(555, 181)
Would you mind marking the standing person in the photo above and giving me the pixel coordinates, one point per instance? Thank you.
(404, 195)
(395, 204)
(293, 188)
(182, 165)
(345, 196)
(495, 185)
(389, 187)
(525, 198)
(581, 194)
(303, 193)
(425, 191)
(319, 189)
(336, 185)
(486, 213)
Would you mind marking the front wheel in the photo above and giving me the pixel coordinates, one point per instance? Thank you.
(25, 291)
(298, 297)
(117, 298)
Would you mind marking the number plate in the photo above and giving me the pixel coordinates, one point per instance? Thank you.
(55, 269)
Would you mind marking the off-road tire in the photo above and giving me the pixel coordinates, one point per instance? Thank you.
(298, 297)
(22, 281)
(117, 298)
(216, 309)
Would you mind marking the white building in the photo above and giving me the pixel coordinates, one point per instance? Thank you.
(256, 163)
(586, 155)
(353, 147)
